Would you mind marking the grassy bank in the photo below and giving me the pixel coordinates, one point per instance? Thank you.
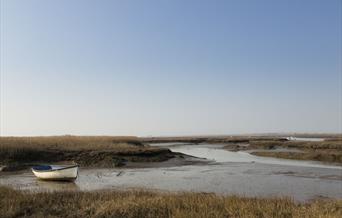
(102, 151)
(150, 204)
(328, 157)
(331, 144)
(329, 151)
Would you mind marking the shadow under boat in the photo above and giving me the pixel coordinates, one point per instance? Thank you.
(57, 185)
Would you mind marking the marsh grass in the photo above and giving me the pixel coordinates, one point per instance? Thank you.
(138, 204)
(329, 150)
(326, 144)
(69, 142)
(99, 151)
(331, 157)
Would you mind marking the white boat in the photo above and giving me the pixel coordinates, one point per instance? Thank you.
(56, 172)
(291, 138)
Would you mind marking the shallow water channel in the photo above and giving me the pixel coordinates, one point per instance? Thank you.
(225, 172)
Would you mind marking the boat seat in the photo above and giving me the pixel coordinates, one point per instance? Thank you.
(45, 167)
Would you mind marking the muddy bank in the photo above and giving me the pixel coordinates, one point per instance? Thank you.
(85, 158)
(323, 156)
(17, 153)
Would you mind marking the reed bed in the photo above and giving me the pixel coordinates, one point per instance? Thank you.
(70, 142)
(141, 203)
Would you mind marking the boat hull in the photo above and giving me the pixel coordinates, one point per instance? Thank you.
(59, 174)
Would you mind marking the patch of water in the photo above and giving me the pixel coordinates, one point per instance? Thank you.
(305, 139)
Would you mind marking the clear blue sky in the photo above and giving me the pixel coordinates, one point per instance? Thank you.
(162, 67)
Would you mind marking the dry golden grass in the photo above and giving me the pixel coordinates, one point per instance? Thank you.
(151, 204)
(70, 142)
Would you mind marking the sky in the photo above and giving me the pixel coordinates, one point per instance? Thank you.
(170, 67)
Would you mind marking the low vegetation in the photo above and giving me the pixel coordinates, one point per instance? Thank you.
(138, 204)
(331, 157)
(313, 145)
(70, 142)
(102, 151)
(327, 151)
